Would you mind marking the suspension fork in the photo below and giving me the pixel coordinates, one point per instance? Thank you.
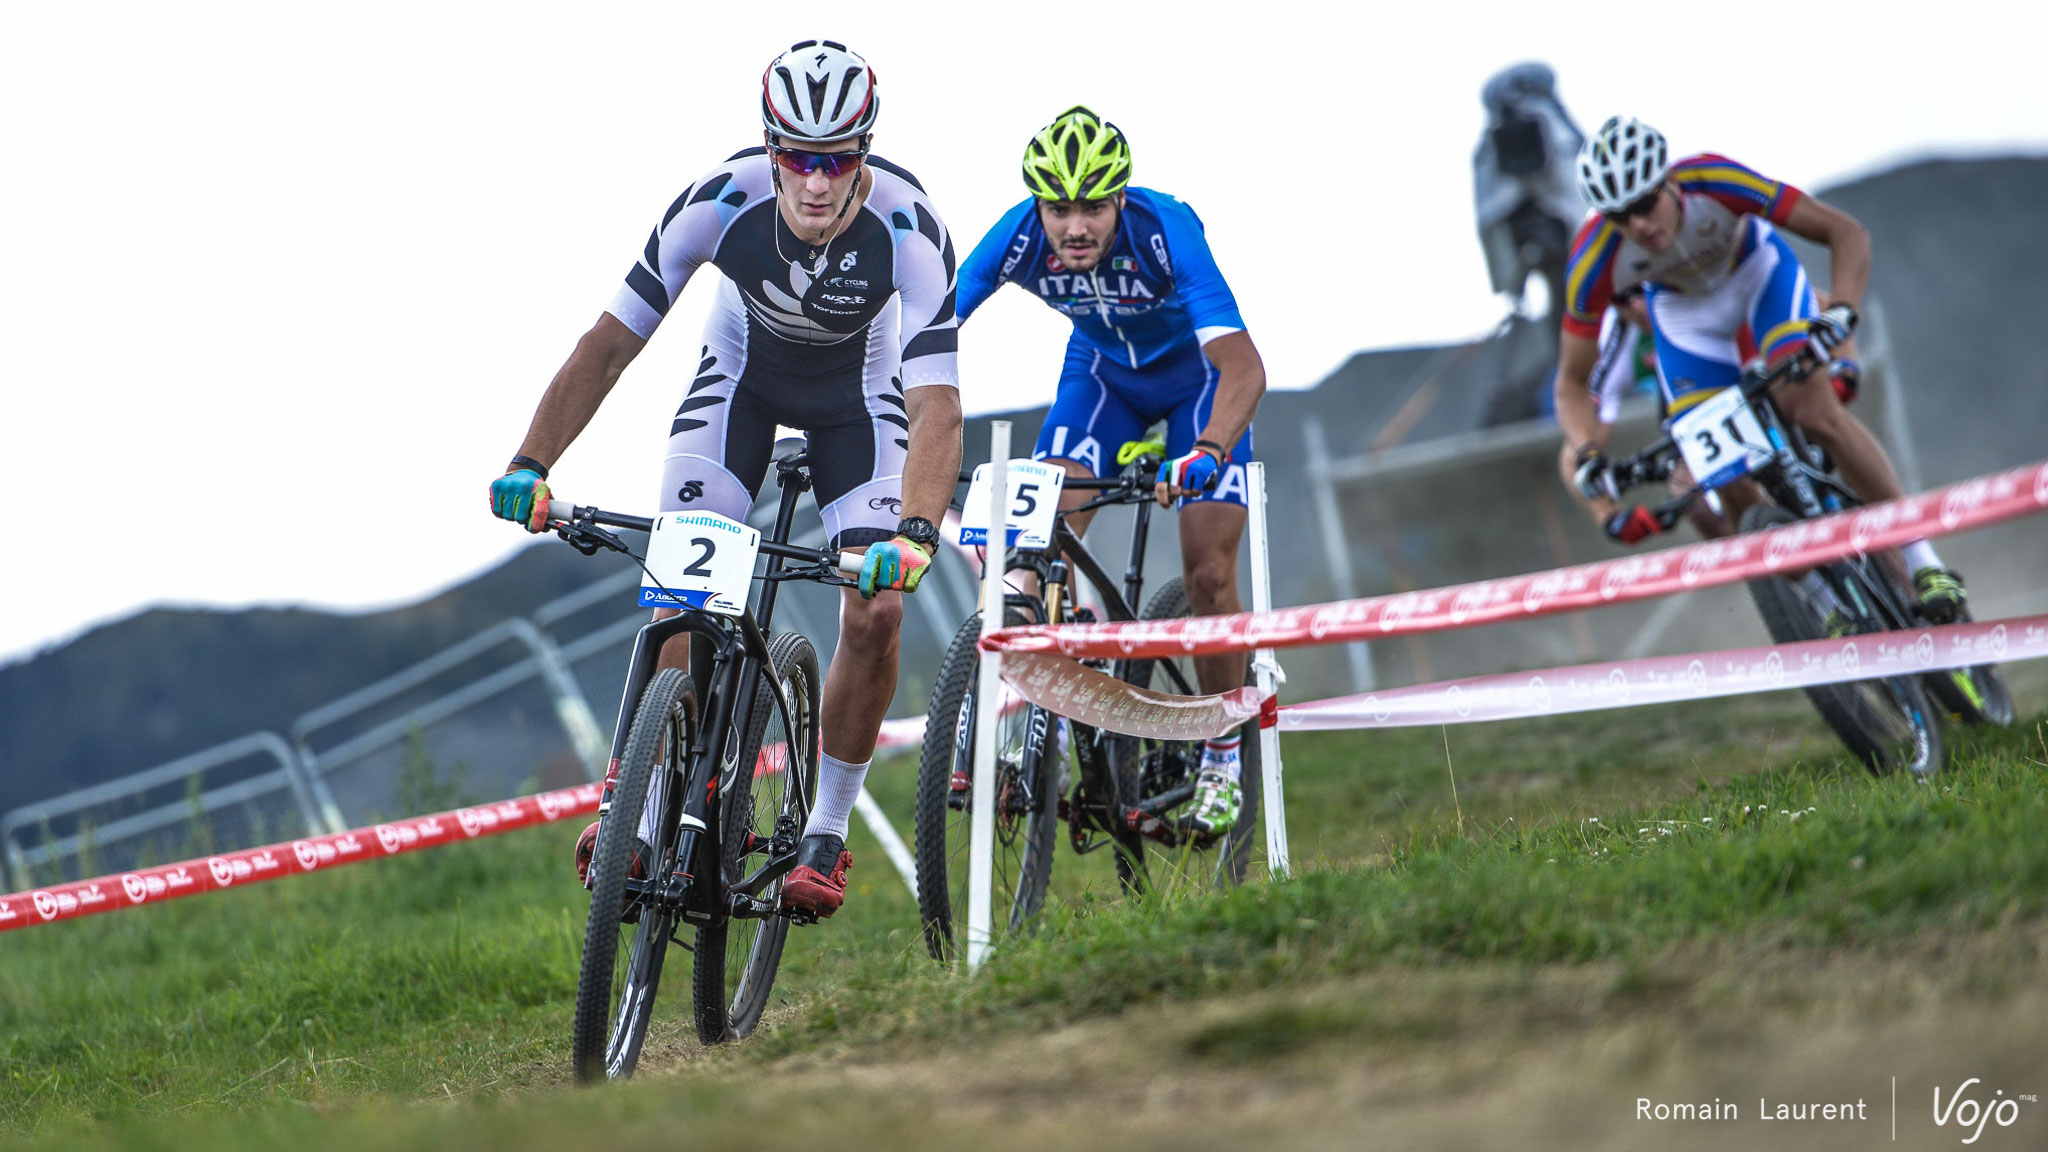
(699, 843)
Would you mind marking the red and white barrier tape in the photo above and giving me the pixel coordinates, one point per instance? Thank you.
(293, 858)
(1070, 689)
(1956, 508)
(1668, 679)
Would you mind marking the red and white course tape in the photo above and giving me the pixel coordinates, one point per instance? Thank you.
(1668, 679)
(294, 858)
(1956, 508)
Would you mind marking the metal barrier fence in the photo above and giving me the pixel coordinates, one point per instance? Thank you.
(458, 727)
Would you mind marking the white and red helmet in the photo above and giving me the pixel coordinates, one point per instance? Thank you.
(820, 92)
(1622, 163)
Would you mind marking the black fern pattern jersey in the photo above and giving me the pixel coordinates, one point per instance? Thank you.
(808, 308)
(825, 338)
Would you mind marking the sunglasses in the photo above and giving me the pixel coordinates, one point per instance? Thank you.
(802, 163)
(1642, 207)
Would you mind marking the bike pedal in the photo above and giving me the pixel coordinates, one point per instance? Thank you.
(1150, 827)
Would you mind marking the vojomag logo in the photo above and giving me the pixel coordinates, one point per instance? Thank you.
(1968, 1112)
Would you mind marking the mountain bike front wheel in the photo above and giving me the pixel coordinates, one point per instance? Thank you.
(1026, 798)
(628, 932)
(769, 782)
(1887, 722)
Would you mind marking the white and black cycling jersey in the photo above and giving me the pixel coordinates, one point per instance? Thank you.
(822, 337)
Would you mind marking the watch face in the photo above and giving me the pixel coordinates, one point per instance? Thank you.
(919, 530)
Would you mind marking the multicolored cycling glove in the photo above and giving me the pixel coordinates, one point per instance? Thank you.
(521, 496)
(895, 564)
(1192, 473)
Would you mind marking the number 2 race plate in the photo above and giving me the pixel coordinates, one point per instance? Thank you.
(1034, 497)
(699, 560)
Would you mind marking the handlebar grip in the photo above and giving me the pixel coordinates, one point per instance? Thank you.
(850, 562)
(560, 511)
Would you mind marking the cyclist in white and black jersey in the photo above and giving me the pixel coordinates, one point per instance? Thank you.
(836, 318)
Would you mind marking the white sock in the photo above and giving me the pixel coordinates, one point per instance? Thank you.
(838, 787)
(1222, 756)
(1819, 593)
(1920, 554)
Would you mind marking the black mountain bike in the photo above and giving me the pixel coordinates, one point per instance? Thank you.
(703, 807)
(1888, 723)
(1127, 790)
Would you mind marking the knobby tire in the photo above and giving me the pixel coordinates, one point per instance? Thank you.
(737, 957)
(622, 961)
(1025, 834)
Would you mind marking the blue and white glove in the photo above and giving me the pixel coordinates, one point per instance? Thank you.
(521, 496)
(1833, 326)
(1195, 472)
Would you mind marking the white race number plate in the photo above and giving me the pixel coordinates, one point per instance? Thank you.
(1034, 498)
(699, 560)
(1720, 439)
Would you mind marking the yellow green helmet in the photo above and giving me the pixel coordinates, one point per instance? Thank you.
(1079, 156)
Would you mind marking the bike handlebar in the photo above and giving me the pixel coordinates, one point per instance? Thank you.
(1658, 461)
(578, 525)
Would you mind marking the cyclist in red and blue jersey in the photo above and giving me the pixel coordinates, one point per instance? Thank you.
(1157, 336)
(1699, 237)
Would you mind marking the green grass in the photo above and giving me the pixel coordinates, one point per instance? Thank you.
(1632, 845)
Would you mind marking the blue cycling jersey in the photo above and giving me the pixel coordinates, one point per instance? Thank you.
(1155, 292)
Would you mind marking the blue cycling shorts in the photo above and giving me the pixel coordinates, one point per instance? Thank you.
(1102, 405)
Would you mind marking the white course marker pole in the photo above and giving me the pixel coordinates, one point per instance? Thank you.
(982, 850)
(1270, 676)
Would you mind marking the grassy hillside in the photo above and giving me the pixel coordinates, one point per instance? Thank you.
(1662, 900)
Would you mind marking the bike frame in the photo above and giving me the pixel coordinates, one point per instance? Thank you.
(1795, 484)
(731, 652)
(1121, 604)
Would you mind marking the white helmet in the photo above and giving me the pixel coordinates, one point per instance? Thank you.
(819, 92)
(1623, 162)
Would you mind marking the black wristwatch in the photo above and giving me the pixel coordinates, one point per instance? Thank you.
(919, 531)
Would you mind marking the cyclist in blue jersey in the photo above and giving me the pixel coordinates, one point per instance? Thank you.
(1157, 336)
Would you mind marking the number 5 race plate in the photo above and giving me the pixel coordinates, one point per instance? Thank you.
(699, 560)
(1034, 497)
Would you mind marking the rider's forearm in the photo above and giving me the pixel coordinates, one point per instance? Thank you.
(574, 395)
(1240, 385)
(1577, 415)
(1849, 266)
(931, 469)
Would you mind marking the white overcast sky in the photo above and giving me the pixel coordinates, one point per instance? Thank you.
(281, 283)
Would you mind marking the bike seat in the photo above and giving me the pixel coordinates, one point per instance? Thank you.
(791, 452)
